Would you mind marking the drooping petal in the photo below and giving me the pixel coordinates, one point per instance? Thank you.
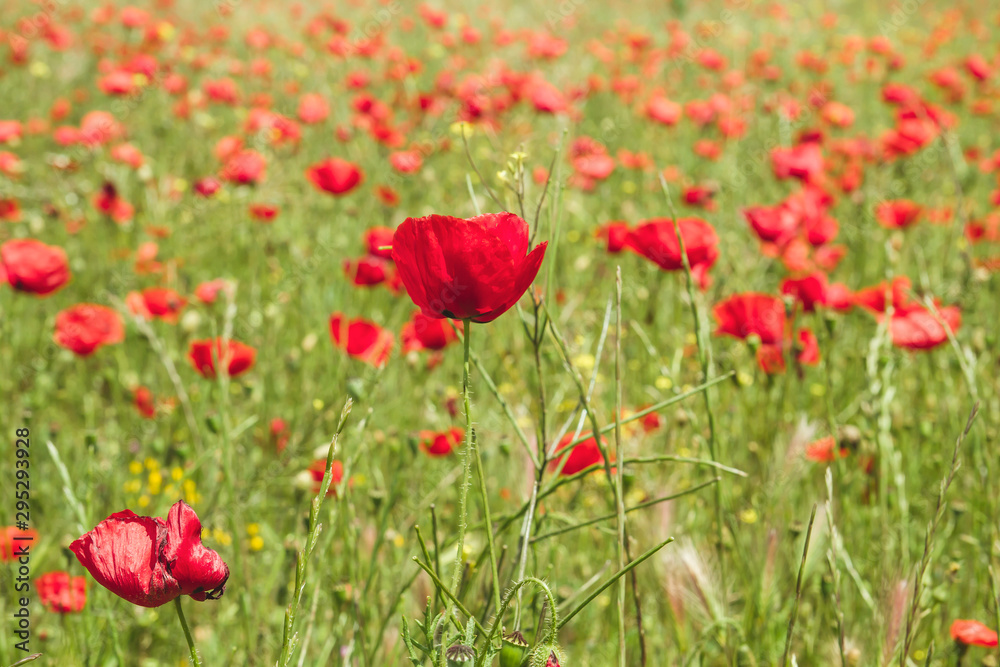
(123, 552)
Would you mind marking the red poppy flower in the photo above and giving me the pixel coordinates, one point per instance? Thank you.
(897, 214)
(201, 352)
(839, 297)
(206, 187)
(443, 443)
(61, 593)
(143, 399)
(584, 455)
(10, 209)
(663, 110)
(916, 328)
(428, 333)
(361, 339)
(367, 271)
(278, 430)
(379, 242)
(318, 468)
(804, 162)
(33, 267)
(973, 633)
(873, 298)
(149, 561)
(773, 224)
(313, 108)
(208, 292)
(743, 315)
(824, 450)
(85, 327)
(616, 235)
(245, 167)
(111, 204)
(656, 240)
(597, 166)
(406, 162)
(14, 541)
(156, 302)
(808, 348)
(263, 212)
(771, 359)
(809, 290)
(466, 269)
(335, 176)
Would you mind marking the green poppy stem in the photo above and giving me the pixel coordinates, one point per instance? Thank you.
(187, 632)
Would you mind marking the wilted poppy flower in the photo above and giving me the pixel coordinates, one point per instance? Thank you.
(85, 327)
(474, 269)
(973, 633)
(156, 302)
(201, 352)
(656, 240)
(335, 176)
(428, 333)
(584, 455)
(33, 267)
(61, 593)
(361, 339)
(15, 542)
(442, 443)
(149, 561)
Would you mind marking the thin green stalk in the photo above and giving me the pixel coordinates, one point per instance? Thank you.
(451, 596)
(798, 588)
(913, 615)
(634, 508)
(187, 632)
(471, 441)
(615, 577)
(704, 357)
(289, 640)
(463, 494)
(620, 481)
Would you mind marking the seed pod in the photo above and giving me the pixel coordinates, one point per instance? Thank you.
(514, 649)
(460, 654)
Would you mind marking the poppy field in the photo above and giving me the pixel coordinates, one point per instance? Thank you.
(502, 335)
